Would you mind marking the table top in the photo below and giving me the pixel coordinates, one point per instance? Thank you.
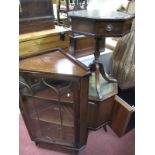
(54, 62)
(100, 15)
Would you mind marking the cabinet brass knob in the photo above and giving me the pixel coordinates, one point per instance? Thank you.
(109, 27)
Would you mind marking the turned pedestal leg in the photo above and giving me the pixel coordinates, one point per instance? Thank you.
(98, 68)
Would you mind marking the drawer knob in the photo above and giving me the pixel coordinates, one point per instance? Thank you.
(109, 27)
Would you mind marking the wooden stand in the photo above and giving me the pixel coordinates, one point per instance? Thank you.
(100, 24)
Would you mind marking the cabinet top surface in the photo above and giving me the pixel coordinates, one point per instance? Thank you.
(100, 15)
(54, 62)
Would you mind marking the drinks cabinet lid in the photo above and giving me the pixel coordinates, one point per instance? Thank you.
(101, 15)
(55, 62)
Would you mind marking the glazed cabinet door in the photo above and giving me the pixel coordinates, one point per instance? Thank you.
(49, 110)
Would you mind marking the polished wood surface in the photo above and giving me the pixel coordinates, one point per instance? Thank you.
(44, 126)
(81, 45)
(83, 113)
(121, 115)
(54, 98)
(100, 106)
(101, 14)
(54, 62)
(100, 23)
(99, 112)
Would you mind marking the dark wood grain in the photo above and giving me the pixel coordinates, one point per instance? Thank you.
(81, 45)
(121, 115)
(100, 24)
(53, 62)
(96, 22)
(35, 15)
(83, 110)
(99, 113)
(28, 26)
(54, 105)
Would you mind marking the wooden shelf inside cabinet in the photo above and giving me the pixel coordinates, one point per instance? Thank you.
(54, 97)
(56, 134)
(47, 101)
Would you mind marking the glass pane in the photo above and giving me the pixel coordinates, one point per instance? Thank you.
(49, 105)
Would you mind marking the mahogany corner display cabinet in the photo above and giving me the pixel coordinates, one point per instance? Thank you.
(35, 15)
(54, 99)
(100, 24)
